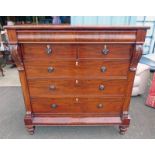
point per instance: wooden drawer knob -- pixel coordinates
(48, 50)
(103, 69)
(54, 106)
(101, 87)
(52, 87)
(50, 69)
(105, 50)
(100, 105)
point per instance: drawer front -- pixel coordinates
(50, 69)
(74, 36)
(77, 105)
(52, 87)
(50, 51)
(81, 69)
(104, 51)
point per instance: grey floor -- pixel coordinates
(12, 126)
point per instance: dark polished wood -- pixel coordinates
(16, 57)
(136, 57)
(76, 75)
(76, 69)
(77, 105)
(58, 51)
(115, 51)
(76, 87)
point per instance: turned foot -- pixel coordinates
(125, 123)
(30, 129)
(28, 123)
(122, 129)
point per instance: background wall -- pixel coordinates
(103, 20)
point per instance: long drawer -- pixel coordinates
(74, 36)
(77, 105)
(55, 87)
(73, 69)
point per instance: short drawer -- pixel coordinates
(73, 69)
(77, 105)
(50, 51)
(65, 87)
(105, 51)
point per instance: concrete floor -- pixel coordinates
(12, 113)
(11, 77)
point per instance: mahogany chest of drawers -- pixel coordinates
(76, 75)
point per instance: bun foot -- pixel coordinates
(122, 129)
(30, 129)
